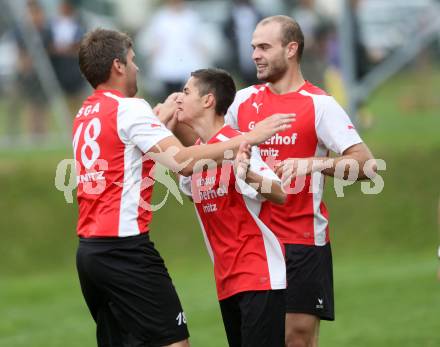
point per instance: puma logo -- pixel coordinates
(257, 106)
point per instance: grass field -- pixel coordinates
(384, 245)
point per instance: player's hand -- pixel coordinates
(167, 110)
(293, 167)
(242, 161)
(268, 127)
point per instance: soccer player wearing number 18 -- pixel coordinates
(123, 278)
(320, 125)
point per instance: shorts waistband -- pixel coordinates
(143, 236)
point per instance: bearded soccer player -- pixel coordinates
(249, 266)
(123, 278)
(320, 126)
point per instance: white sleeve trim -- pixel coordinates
(334, 128)
(258, 166)
(231, 117)
(138, 125)
(185, 185)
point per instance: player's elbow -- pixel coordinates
(279, 198)
(186, 171)
(282, 198)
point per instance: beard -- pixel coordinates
(273, 72)
(132, 87)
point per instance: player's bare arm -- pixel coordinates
(338, 167)
(171, 153)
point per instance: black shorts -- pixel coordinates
(255, 318)
(310, 280)
(129, 292)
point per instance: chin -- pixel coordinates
(262, 77)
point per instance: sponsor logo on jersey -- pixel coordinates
(282, 140)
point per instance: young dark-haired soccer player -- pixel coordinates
(249, 265)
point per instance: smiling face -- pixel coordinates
(190, 103)
(269, 55)
(275, 48)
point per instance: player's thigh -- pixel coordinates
(263, 318)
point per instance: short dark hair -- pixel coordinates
(97, 51)
(290, 32)
(219, 83)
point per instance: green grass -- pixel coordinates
(384, 245)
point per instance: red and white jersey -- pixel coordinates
(110, 135)
(245, 252)
(320, 125)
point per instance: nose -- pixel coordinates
(179, 98)
(256, 54)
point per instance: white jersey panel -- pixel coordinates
(137, 123)
(240, 97)
(334, 128)
(274, 253)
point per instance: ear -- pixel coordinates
(118, 66)
(209, 101)
(292, 48)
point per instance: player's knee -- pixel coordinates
(299, 336)
(297, 340)
(184, 343)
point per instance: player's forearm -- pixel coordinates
(194, 156)
(269, 189)
(347, 167)
(356, 163)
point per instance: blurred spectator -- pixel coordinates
(314, 27)
(34, 98)
(174, 45)
(361, 58)
(239, 27)
(66, 34)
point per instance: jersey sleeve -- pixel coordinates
(258, 166)
(185, 185)
(333, 126)
(231, 117)
(138, 125)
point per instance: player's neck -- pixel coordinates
(113, 86)
(291, 82)
(207, 127)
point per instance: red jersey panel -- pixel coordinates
(110, 135)
(320, 125)
(246, 254)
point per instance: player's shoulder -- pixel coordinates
(226, 133)
(310, 88)
(321, 99)
(129, 103)
(249, 92)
